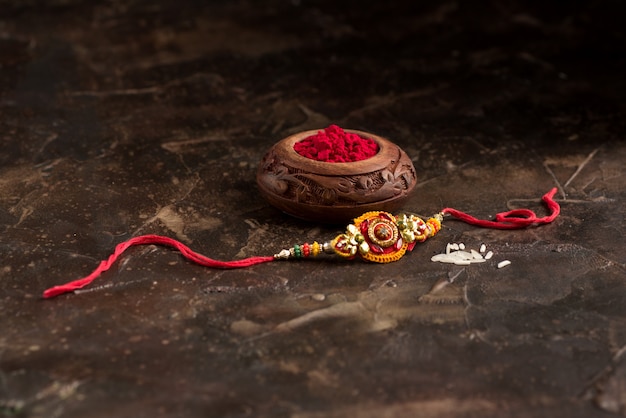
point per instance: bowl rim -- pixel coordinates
(387, 151)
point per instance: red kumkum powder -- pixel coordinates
(334, 145)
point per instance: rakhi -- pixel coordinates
(375, 236)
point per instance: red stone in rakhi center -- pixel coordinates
(334, 145)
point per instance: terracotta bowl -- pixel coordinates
(335, 192)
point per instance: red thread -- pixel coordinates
(158, 240)
(334, 145)
(513, 219)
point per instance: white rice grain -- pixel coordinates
(503, 263)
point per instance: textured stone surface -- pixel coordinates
(122, 118)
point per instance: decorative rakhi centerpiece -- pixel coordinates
(382, 237)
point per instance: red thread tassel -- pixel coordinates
(147, 240)
(513, 219)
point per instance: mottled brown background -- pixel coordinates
(125, 117)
